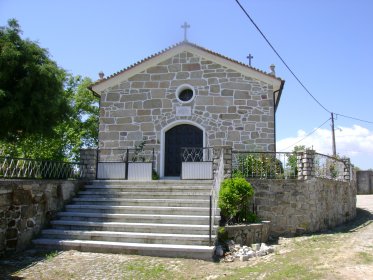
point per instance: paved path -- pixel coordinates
(365, 202)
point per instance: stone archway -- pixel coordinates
(182, 133)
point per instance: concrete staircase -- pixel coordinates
(167, 218)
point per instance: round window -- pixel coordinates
(185, 93)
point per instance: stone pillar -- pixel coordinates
(227, 158)
(305, 164)
(347, 169)
(89, 158)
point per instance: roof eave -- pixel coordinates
(277, 101)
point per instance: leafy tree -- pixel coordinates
(292, 160)
(79, 129)
(32, 100)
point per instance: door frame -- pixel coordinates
(163, 139)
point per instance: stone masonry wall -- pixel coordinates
(295, 206)
(26, 206)
(235, 110)
(364, 182)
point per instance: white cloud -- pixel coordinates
(355, 142)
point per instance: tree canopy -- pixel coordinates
(78, 130)
(32, 97)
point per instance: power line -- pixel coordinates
(279, 56)
(307, 135)
(353, 118)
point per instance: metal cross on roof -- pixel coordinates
(250, 57)
(185, 26)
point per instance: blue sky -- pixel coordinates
(328, 44)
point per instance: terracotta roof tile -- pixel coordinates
(174, 46)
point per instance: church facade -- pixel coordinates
(188, 96)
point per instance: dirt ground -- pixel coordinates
(345, 252)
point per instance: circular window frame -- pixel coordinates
(180, 89)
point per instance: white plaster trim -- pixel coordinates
(179, 49)
(163, 138)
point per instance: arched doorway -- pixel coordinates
(183, 135)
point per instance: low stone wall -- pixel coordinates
(249, 234)
(295, 206)
(26, 206)
(364, 181)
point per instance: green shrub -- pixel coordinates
(155, 175)
(234, 200)
(258, 166)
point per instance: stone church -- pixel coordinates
(188, 96)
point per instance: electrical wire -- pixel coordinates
(291, 71)
(307, 135)
(279, 56)
(353, 118)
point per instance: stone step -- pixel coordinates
(133, 218)
(132, 237)
(132, 227)
(145, 188)
(139, 209)
(149, 194)
(161, 250)
(154, 183)
(145, 202)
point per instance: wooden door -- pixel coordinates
(183, 135)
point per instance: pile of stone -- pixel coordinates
(244, 253)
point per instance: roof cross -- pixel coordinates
(250, 57)
(185, 26)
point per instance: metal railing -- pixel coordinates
(126, 155)
(265, 165)
(214, 194)
(196, 154)
(330, 168)
(23, 168)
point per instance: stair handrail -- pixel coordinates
(214, 194)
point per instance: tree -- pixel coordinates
(292, 162)
(81, 129)
(78, 130)
(32, 100)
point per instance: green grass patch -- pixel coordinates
(364, 258)
(139, 269)
(51, 255)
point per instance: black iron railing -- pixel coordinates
(214, 194)
(196, 154)
(23, 168)
(330, 167)
(265, 165)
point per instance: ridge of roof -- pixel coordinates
(172, 47)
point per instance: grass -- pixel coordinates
(302, 261)
(364, 258)
(51, 255)
(141, 269)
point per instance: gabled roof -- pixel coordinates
(196, 49)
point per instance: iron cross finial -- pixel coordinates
(250, 57)
(185, 26)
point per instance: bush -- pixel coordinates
(259, 166)
(234, 199)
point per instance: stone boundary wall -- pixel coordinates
(364, 181)
(296, 207)
(249, 234)
(26, 206)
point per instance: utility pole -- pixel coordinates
(333, 137)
